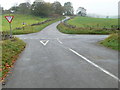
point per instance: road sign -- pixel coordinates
(9, 18)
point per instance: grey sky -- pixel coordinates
(101, 7)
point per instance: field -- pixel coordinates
(19, 19)
(33, 29)
(17, 27)
(93, 22)
(10, 51)
(88, 25)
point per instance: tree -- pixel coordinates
(57, 8)
(24, 8)
(41, 9)
(15, 9)
(68, 8)
(81, 11)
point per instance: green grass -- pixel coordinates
(19, 19)
(34, 29)
(88, 25)
(64, 29)
(113, 41)
(28, 19)
(92, 22)
(10, 50)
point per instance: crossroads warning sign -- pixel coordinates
(9, 18)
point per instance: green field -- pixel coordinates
(113, 41)
(19, 19)
(93, 22)
(28, 19)
(88, 25)
(34, 29)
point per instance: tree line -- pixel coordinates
(42, 8)
(45, 9)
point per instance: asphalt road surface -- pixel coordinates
(55, 60)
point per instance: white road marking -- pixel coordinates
(59, 41)
(44, 42)
(105, 71)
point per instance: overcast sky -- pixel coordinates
(101, 7)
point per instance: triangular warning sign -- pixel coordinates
(9, 18)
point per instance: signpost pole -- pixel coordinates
(10, 30)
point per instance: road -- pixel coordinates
(56, 60)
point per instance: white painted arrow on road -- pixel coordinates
(44, 42)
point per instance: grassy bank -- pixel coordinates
(67, 30)
(113, 41)
(10, 51)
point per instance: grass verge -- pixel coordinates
(10, 51)
(113, 41)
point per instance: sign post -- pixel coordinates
(9, 19)
(10, 30)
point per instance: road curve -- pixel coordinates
(55, 60)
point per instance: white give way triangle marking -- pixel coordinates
(44, 42)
